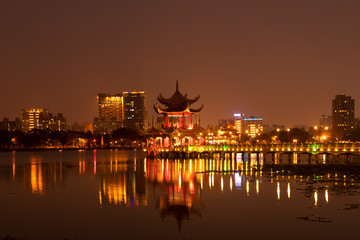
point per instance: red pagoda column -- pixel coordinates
(167, 121)
(183, 121)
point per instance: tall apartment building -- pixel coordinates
(253, 126)
(110, 109)
(238, 122)
(41, 118)
(31, 118)
(134, 110)
(343, 112)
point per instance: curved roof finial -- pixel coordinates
(177, 85)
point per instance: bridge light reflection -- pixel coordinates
(247, 188)
(288, 190)
(222, 183)
(326, 196)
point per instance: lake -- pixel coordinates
(110, 194)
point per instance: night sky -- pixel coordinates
(282, 60)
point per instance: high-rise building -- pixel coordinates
(134, 110)
(111, 116)
(253, 126)
(41, 118)
(238, 122)
(343, 111)
(31, 118)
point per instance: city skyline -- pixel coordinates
(261, 59)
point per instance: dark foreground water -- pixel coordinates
(120, 195)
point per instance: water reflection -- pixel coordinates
(177, 186)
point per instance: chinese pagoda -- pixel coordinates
(180, 127)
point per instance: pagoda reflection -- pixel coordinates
(177, 186)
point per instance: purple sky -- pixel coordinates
(282, 60)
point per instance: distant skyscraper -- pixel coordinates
(238, 122)
(342, 116)
(40, 118)
(134, 110)
(31, 118)
(111, 116)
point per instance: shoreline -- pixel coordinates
(66, 149)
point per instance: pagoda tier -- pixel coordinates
(177, 105)
(154, 132)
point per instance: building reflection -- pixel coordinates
(39, 176)
(177, 186)
(121, 182)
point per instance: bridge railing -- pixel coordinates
(284, 147)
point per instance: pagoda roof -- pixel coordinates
(183, 131)
(178, 102)
(177, 109)
(151, 132)
(227, 127)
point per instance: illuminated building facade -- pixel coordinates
(134, 110)
(342, 116)
(31, 118)
(253, 126)
(110, 108)
(40, 118)
(225, 135)
(238, 122)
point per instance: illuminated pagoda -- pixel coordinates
(181, 127)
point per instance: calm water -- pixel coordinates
(120, 195)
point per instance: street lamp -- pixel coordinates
(288, 130)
